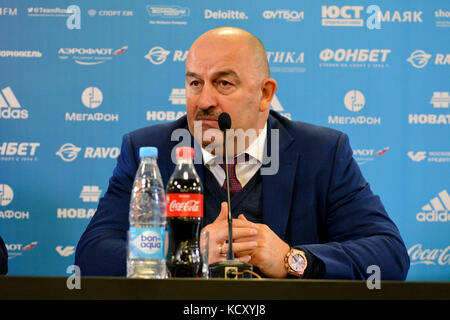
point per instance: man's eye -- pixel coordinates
(224, 83)
(195, 83)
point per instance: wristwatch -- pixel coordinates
(295, 262)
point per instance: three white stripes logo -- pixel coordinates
(10, 107)
(437, 210)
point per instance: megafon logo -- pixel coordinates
(92, 97)
(437, 210)
(90, 56)
(354, 100)
(6, 195)
(17, 249)
(10, 107)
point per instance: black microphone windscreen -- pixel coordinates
(224, 121)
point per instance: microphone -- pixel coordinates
(230, 268)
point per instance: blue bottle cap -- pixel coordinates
(148, 152)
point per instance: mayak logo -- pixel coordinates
(362, 156)
(65, 252)
(287, 15)
(418, 255)
(10, 107)
(354, 100)
(437, 210)
(419, 59)
(6, 195)
(158, 55)
(167, 11)
(90, 193)
(90, 56)
(69, 152)
(17, 249)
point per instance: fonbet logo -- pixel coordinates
(287, 15)
(376, 58)
(354, 101)
(69, 152)
(440, 101)
(419, 255)
(90, 56)
(419, 59)
(18, 249)
(437, 210)
(362, 156)
(10, 107)
(65, 252)
(225, 15)
(6, 195)
(92, 97)
(15, 151)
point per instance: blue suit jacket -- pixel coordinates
(318, 199)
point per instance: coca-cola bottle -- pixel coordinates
(184, 196)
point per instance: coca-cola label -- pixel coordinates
(185, 205)
(418, 255)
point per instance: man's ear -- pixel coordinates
(268, 88)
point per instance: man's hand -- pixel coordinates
(218, 234)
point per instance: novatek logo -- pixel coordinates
(10, 107)
(225, 15)
(65, 252)
(90, 193)
(437, 210)
(354, 100)
(419, 59)
(6, 195)
(69, 152)
(178, 96)
(287, 15)
(418, 255)
(440, 99)
(75, 213)
(345, 16)
(354, 58)
(362, 156)
(159, 55)
(17, 249)
(90, 56)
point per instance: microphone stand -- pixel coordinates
(230, 268)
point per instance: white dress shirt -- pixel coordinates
(244, 170)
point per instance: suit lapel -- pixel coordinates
(277, 189)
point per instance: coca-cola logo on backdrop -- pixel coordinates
(418, 255)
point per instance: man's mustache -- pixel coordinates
(206, 114)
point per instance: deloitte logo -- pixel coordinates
(419, 59)
(354, 100)
(6, 195)
(92, 97)
(157, 55)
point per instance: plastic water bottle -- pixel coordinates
(147, 233)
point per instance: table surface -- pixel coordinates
(104, 288)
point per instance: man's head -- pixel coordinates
(227, 71)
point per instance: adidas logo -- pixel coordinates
(437, 210)
(10, 107)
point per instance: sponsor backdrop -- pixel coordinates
(75, 77)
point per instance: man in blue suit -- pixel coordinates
(313, 217)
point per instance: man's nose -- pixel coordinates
(208, 97)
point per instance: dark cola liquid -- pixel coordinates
(183, 257)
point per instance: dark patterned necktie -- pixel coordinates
(235, 185)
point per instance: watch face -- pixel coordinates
(297, 262)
